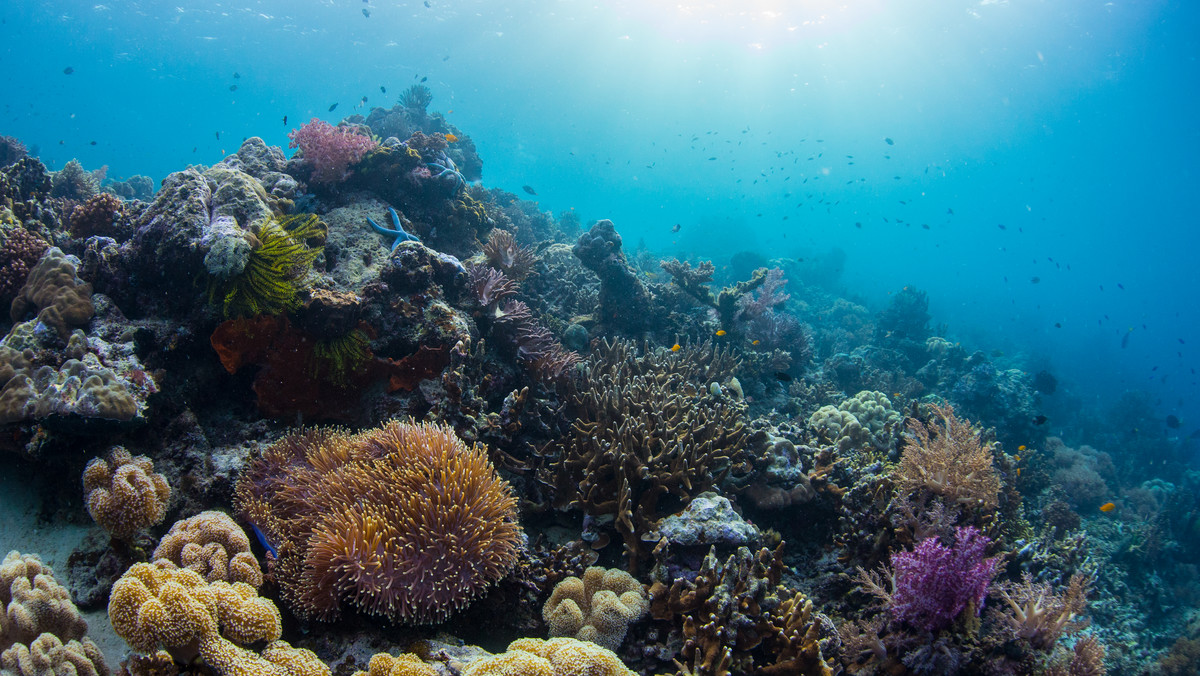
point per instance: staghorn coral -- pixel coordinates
(403, 521)
(47, 655)
(728, 302)
(34, 603)
(648, 427)
(737, 618)
(503, 252)
(555, 657)
(124, 494)
(61, 300)
(947, 458)
(599, 608)
(211, 544)
(275, 271)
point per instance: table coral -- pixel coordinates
(124, 494)
(555, 657)
(599, 608)
(403, 521)
(214, 546)
(34, 603)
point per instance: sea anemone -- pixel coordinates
(503, 252)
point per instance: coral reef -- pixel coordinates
(124, 494)
(329, 151)
(599, 608)
(403, 521)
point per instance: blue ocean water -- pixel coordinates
(1031, 165)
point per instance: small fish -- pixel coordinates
(1001, 226)
(1107, 507)
(451, 138)
(366, 12)
(263, 540)
(721, 333)
(93, 143)
(1124, 341)
(711, 159)
(218, 135)
(676, 227)
(427, 4)
(889, 141)
(1035, 280)
(529, 190)
(1120, 286)
(445, 58)
(237, 75)
(676, 347)
(949, 212)
(424, 78)
(285, 120)
(783, 377)
(1058, 325)
(68, 70)
(362, 102)
(382, 89)
(332, 107)
(1021, 447)
(1173, 422)
(233, 88)
(1040, 420)
(755, 342)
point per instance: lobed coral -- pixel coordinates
(47, 655)
(214, 546)
(80, 391)
(124, 494)
(599, 608)
(34, 603)
(55, 293)
(403, 521)
(405, 664)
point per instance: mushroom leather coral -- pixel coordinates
(124, 494)
(599, 608)
(49, 656)
(34, 603)
(405, 664)
(555, 657)
(403, 521)
(214, 546)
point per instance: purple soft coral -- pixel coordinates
(935, 583)
(330, 150)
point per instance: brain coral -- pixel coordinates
(403, 521)
(598, 608)
(124, 494)
(211, 544)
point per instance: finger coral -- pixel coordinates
(555, 657)
(403, 521)
(34, 603)
(124, 494)
(599, 608)
(211, 544)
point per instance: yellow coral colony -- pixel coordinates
(599, 608)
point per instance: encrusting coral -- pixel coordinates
(599, 608)
(555, 657)
(34, 603)
(214, 546)
(153, 607)
(124, 494)
(403, 521)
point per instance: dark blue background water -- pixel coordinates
(1072, 124)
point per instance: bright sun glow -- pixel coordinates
(756, 24)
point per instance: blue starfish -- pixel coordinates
(446, 170)
(398, 234)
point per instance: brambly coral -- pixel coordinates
(404, 521)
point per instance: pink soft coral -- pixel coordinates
(330, 150)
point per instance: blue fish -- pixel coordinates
(262, 539)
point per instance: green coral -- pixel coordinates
(277, 269)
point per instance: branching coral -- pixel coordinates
(276, 270)
(1035, 613)
(211, 544)
(416, 98)
(403, 521)
(124, 494)
(330, 150)
(599, 608)
(946, 457)
(695, 283)
(647, 427)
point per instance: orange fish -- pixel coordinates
(720, 333)
(754, 342)
(451, 138)
(1107, 507)
(1021, 447)
(676, 347)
